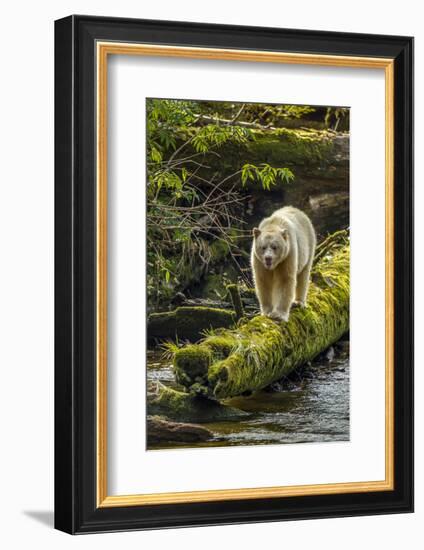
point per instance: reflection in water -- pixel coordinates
(314, 408)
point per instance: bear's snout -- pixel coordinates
(268, 261)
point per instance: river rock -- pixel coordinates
(160, 430)
(329, 354)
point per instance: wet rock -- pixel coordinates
(179, 299)
(286, 384)
(161, 430)
(343, 346)
(329, 200)
(207, 302)
(329, 354)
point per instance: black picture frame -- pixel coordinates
(76, 510)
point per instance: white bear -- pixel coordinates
(282, 254)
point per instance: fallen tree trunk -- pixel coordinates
(187, 323)
(261, 351)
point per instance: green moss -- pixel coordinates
(262, 351)
(292, 147)
(193, 361)
(185, 407)
(221, 345)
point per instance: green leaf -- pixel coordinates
(156, 155)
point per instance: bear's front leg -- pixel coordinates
(284, 293)
(263, 286)
(264, 294)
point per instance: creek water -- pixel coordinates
(311, 406)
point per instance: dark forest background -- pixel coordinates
(215, 169)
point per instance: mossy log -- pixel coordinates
(300, 148)
(261, 351)
(187, 323)
(186, 407)
(293, 147)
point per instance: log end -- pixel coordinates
(162, 325)
(191, 362)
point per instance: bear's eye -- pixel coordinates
(263, 248)
(274, 247)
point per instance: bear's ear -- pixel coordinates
(256, 232)
(284, 233)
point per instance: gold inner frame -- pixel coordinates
(104, 49)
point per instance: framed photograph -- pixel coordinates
(234, 274)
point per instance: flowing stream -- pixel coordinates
(313, 406)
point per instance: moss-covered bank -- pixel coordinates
(185, 407)
(261, 351)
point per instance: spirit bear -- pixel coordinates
(282, 255)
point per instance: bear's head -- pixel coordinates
(271, 246)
